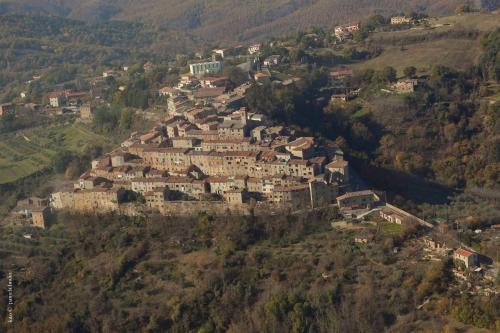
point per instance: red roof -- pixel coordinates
(54, 94)
(461, 251)
(209, 92)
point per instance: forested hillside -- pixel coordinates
(37, 45)
(230, 274)
(223, 19)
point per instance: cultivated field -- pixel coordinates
(32, 150)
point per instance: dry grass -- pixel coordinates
(448, 51)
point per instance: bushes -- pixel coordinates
(477, 312)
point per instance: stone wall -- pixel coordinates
(189, 208)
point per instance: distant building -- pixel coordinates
(345, 31)
(255, 48)
(177, 105)
(338, 170)
(360, 199)
(220, 52)
(341, 73)
(203, 68)
(340, 98)
(262, 77)
(272, 60)
(74, 98)
(467, 257)
(392, 216)
(148, 66)
(213, 81)
(302, 147)
(39, 217)
(166, 91)
(108, 73)
(86, 113)
(434, 244)
(56, 99)
(405, 86)
(6, 108)
(208, 94)
(401, 20)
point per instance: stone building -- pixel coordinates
(338, 170)
(405, 86)
(360, 199)
(302, 147)
(86, 113)
(6, 108)
(392, 216)
(468, 257)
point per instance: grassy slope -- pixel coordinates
(453, 52)
(20, 158)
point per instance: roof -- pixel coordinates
(166, 90)
(318, 160)
(54, 94)
(149, 136)
(291, 188)
(462, 251)
(75, 94)
(348, 25)
(217, 179)
(341, 72)
(262, 75)
(209, 92)
(301, 143)
(237, 153)
(337, 164)
(167, 150)
(299, 162)
(232, 124)
(213, 78)
(227, 141)
(355, 194)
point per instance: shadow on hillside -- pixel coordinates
(411, 187)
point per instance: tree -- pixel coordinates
(386, 75)
(62, 160)
(410, 72)
(463, 8)
(126, 119)
(235, 75)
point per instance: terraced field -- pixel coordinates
(30, 151)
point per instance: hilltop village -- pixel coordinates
(206, 151)
(209, 153)
(229, 177)
(208, 156)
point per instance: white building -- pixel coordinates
(56, 99)
(401, 20)
(252, 49)
(202, 68)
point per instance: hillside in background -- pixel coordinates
(224, 20)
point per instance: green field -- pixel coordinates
(32, 150)
(391, 229)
